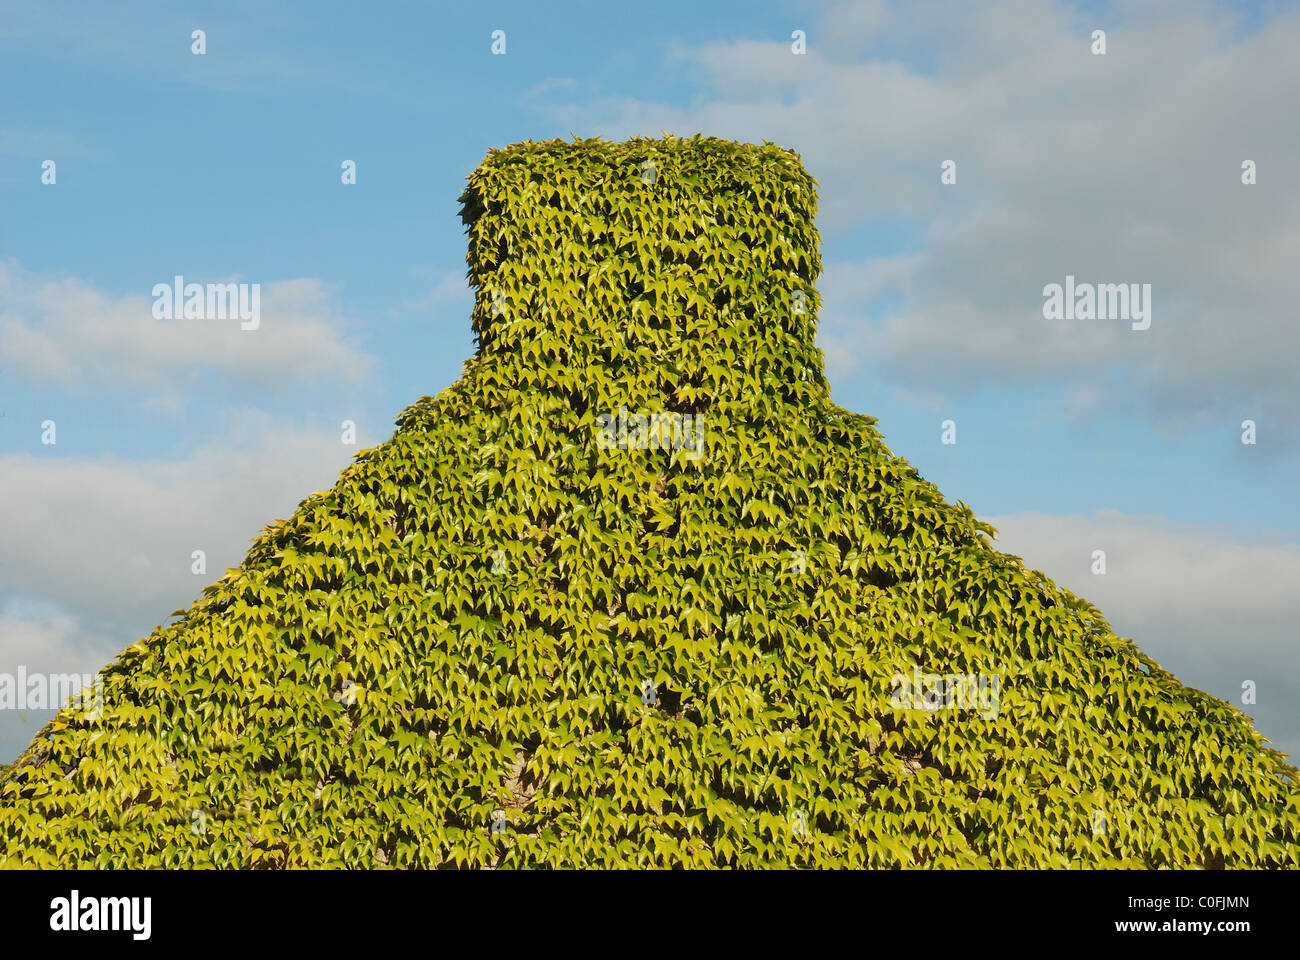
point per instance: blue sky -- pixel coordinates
(1116, 168)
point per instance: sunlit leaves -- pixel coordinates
(464, 623)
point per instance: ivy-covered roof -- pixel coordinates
(635, 592)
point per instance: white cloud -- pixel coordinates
(245, 53)
(96, 552)
(55, 645)
(1215, 607)
(451, 286)
(44, 144)
(1116, 168)
(549, 85)
(110, 540)
(69, 333)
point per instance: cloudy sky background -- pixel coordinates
(1072, 436)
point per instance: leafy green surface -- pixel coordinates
(467, 621)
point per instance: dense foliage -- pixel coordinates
(499, 641)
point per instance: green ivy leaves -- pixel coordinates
(459, 633)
